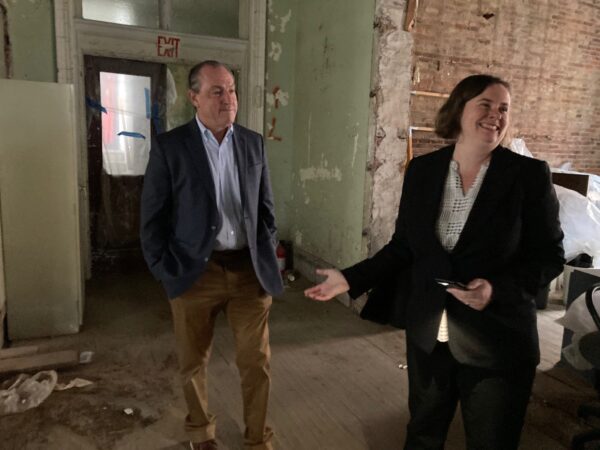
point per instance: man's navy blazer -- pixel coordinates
(512, 238)
(179, 217)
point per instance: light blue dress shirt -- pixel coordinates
(224, 169)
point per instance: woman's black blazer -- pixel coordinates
(512, 238)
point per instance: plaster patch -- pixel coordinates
(308, 135)
(283, 97)
(276, 50)
(270, 99)
(284, 21)
(320, 173)
(355, 148)
(277, 97)
(298, 238)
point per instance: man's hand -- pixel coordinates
(335, 283)
(478, 295)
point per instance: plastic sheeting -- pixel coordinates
(593, 185)
(580, 221)
(126, 125)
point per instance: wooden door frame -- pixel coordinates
(76, 37)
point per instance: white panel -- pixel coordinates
(38, 195)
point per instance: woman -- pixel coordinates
(475, 213)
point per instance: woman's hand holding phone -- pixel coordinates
(476, 294)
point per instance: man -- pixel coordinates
(208, 234)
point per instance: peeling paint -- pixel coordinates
(284, 21)
(320, 173)
(298, 237)
(308, 134)
(271, 135)
(276, 50)
(355, 148)
(277, 97)
(274, 18)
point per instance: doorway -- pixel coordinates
(126, 108)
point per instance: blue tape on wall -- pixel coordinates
(91, 103)
(132, 134)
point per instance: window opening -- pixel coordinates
(126, 134)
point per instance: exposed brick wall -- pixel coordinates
(548, 50)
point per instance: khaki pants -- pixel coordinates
(229, 284)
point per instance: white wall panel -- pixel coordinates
(39, 216)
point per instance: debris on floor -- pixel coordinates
(74, 383)
(25, 392)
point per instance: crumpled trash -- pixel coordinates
(25, 392)
(86, 357)
(74, 383)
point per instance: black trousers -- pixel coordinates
(493, 402)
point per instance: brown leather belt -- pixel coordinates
(225, 257)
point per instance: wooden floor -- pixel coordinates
(339, 383)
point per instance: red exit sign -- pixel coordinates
(167, 46)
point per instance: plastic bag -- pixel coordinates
(580, 221)
(577, 318)
(26, 392)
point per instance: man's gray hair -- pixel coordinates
(194, 79)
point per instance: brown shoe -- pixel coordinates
(206, 445)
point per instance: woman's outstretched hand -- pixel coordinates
(334, 284)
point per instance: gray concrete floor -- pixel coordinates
(337, 380)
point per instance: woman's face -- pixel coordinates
(485, 118)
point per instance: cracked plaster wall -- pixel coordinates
(390, 119)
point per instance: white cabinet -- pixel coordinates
(42, 284)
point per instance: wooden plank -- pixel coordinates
(15, 352)
(53, 360)
(411, 15)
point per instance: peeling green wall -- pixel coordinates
(31, 30)
(319, 63)
(279, 109)
(331, 114)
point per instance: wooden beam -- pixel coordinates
(34, 363)
(15, 352)
(411, 15)
(430, 94)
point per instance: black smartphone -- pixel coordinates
(451, 284)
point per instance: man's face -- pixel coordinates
(216, 101)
